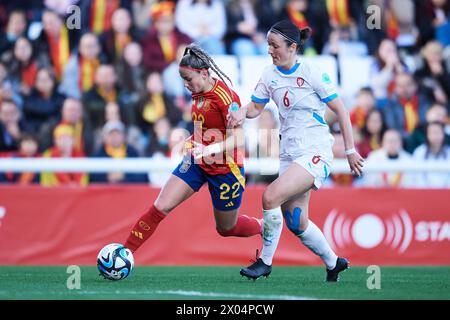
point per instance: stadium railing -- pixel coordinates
(263, 166)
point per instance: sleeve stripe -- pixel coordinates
(225, 95)
(222, 98)
(259, 100)
(328, 99)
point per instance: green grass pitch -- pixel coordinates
(210, 283)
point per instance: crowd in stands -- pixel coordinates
(102, 80)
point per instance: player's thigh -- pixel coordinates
(174, 192)
(294, 181)
(296, 211)
(225, 220)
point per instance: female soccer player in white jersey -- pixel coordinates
(301, 92)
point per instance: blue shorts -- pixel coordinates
(226, 189)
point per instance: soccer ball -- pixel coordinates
(115, 262)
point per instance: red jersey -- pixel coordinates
(209, 114)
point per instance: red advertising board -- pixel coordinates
(65, 225)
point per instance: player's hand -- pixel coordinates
(356, 163)
(236, 118)
(197, 150)
(202, 151)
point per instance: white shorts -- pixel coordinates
(317, 165)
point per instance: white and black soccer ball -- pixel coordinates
(115, 262)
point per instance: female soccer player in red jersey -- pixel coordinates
(213, 156)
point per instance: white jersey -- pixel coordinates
(300, 94)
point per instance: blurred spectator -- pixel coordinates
(23, 66)
(56, 42)
(64, 147)
(28, 148)
(11, 126)
(436, 113)
(340, 44)
(387, 65)
(44, 103)
(432, 19)
(6, 87)
(131, 79)
(60, 6)
(372, 133)
(134, 136)
(177, 138)
(157, 105)
(401, 26)
(434, 148)
(72, 115)
(391, 149)
(365, 102)
(267, 145)
(406, 109)
(302, 14)
(79, 73)
(114, 146)
(104, 91)
(248, 22)
(159, 139)
(434, 76)
(16, 28)
(96, 15)
(161, 42)
(204, 21)
(140, 13)
(121, 34)
(345, 14)
(174, 85)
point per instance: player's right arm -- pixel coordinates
(250, 110)
(254, 109)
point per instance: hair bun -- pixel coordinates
(305, 34)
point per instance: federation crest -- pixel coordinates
(200, 103)
(300, 81)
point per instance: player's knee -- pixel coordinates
(270, 200)
(293, 221)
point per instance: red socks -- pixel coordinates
(245, 227)
(144, 228)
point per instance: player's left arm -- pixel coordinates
(234, 138)
(354, 159)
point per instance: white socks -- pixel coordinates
(273, 224)
(314, 239)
